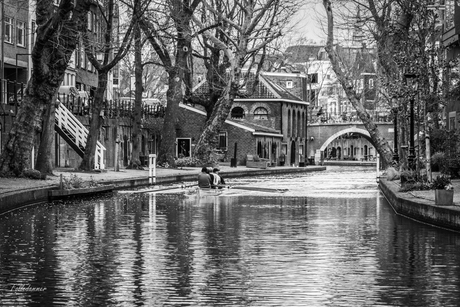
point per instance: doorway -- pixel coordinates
(183, 147)
(293, 152)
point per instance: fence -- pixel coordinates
(111, 108)
(12, 93)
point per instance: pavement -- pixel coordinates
(428, 195)
(14, 185)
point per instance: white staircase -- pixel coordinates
(75, 134)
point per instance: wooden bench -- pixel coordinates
(256, 162)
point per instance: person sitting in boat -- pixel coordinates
(204, 179)
(217, 180)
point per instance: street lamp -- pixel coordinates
(395, 141)
(411, 80)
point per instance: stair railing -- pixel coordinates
(66, 121)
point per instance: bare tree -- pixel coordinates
(404, 34)
(56, 39)
(168, 29)
(137, 116)
(236, 35)
(110, 59)
(379, 142)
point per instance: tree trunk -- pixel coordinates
(95, 123)
(56, 39)
(137, 123)
(207, 140)
(44, 163)
(16, 155)
(167, 150)
(381, 145)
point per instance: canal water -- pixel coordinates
(330, 240)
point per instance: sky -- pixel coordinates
(308, 23)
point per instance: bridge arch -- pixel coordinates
(363, 132)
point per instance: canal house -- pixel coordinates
(269, 123)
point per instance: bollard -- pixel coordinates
(152, 168)
(32, 161)
(378, 165)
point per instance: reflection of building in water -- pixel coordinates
(350, 146)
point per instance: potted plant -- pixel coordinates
(444, 191)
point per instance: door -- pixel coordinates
(183, 147)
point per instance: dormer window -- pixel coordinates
(289, 84)
(260, 113)
(237, 112)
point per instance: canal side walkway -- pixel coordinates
(420, 205)
(18, 192)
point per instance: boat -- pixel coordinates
(191, 190)
(209, 192)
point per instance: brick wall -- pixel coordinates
(191, 126)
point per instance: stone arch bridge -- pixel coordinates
(320, 135)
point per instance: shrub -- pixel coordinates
(414, 186)
(72, 182)
(442, 182)
(438, 159)
(187, 161)
(34, 174)
(392, 174)
(408, 176)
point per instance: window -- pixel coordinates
(289, 84)
(33, 25)
(237, 112)
(8, 30)
(260, 113)
(371, 83)
(452, 117)
(82, 57)
(222, 141)
(312, 96)
(77, 56)
(20, 33)
(313, 78)
(90, 21)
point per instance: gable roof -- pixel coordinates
(251, 127)
(305, 53)
(266, 90)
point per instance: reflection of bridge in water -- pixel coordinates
(344, 140)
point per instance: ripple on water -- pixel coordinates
(331, 240)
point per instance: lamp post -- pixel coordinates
(411, 80)
(395, 141)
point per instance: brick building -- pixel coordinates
(270, 123)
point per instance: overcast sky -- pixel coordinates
(309, 20)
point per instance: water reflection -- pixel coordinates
(259, 250)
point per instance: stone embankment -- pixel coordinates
(19, 192)
(421, 206)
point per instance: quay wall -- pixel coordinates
(422, 210)
(21, 198)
